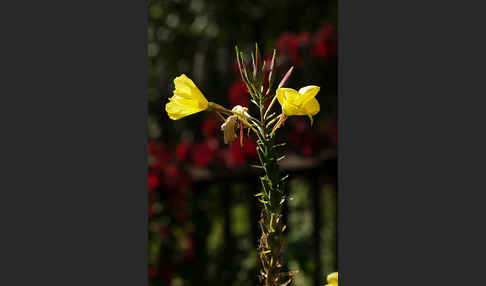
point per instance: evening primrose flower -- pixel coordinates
(187, 99)
(302, 102)
(332, 279)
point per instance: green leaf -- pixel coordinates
(254, 66)
(264, 178)
(257, 166)
(271, 122)
(270, 116)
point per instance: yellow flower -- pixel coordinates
(187, 99)
(302, 102)
(332, 279)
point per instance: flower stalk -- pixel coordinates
(188, 100)
(272, 197)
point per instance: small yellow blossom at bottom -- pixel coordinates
(302, 102)
(187, 99)
(332, 279)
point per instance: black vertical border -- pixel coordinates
(73, 187)
(411, 142)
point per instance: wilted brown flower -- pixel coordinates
(229, 129)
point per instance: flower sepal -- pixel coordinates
(218, 108)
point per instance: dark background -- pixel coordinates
(202, 212)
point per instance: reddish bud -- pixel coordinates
(285, 78)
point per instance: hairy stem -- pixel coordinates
(272, 197)
(271, 223)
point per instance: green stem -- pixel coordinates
(272, 227)
(272, 197)
(271, 105)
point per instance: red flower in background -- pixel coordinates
(325, 45)
(249, 149)
(311, 144)
(160, 153)
(308, 141)
(238, 94)
(153, 180)
(211, 126)
(176, 178)
(204, 153)
(303, 38)
(237, 156)
(289, 44)
(182, 150)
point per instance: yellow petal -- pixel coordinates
(288, 99)
(282, 94)
(312, 107)
(310, 90)
(308, 93)
(300, 102)
(187, 99)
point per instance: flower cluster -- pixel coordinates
(311, 49)
(322, 45)
(188, 100)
